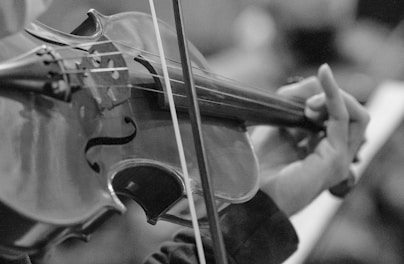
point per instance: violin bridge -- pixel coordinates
(105, 74)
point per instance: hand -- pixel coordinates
(295, 166)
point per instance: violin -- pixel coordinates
(85, 121)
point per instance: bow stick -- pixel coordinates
(195, 118)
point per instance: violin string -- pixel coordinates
(110, 69)
(96, 70)
(295, 103)
(81, 45)
(93, 55)
(234, 83)
(233, 96)
(181, 152)
(228, 80)
(138, 87)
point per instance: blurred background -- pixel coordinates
(264, 43)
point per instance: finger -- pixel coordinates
(357, 113)
(316, 109)
(359, 119)
(316, 105)
(334, 101)
(338, 121)
(301, 90)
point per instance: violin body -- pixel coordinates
(65, 160)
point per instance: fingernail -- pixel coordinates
(311, 114)
(316, 101)
(326, 76)
(325, 66)
(325, 69)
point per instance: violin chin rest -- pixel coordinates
(154, 187)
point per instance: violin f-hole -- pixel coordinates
(155, 187)
(109, 141)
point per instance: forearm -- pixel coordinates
(283, 175)
(292, 192)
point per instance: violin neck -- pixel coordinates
(229, 100)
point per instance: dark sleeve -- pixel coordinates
(254, 232)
